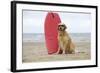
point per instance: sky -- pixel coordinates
(33, 21)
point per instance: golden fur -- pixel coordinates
(65, 43)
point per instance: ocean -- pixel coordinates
(39, 37)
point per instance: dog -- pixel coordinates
(65, 42)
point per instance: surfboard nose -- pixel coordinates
(51, 32)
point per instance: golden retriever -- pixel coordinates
(65, 43)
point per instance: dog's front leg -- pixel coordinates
(67, 48)
(66, 51)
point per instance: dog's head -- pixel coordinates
(62, 27)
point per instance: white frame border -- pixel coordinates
(21, 65)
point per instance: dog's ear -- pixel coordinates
(58, 27)
(65, 26)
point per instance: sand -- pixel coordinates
(37, 52)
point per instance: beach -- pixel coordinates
(34, 50)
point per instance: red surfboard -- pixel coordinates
(51, 23)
